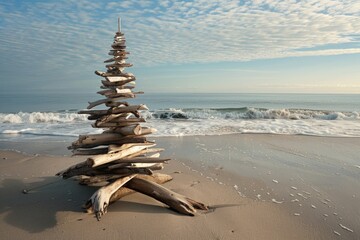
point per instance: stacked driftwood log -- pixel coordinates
(120, 159)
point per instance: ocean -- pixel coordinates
(54, 116)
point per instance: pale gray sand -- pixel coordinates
(262, 187)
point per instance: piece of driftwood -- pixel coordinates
(93, 151)
(104, 92)
(117, 84)
(130, 109)
(119, 65)
(116, 148)
(106, 74)
(118, 52)
(123, 140)
(116, 104)
(152, 166)
(124, 191)
(139, 160)
(174, 200)
(111, 117)
(118, 123)
(126, 171)
(121, 79)
(152, 153)
(145, 167)
(84, 169)
(122, 90)
(129, 130)
(98, 179)
(115, 125)
(114, 97)
(117, 87)
(115, 110)
(78, 169)
(105, 158)
(95, 112)
(100, 199)
(119, 43)
(114, 59)
(121, 49)
(105, 101)
(122, 95)
(133, 130)
(92, 139)
(110, 92)
(158, 178)
(155, 155)
(147, 130)
(146, 151)
(126, 119)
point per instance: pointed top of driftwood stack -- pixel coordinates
(120, 120)
(119, 24)
(121, 156)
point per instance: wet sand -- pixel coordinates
(258, 187)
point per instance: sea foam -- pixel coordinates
(250, 113)
(41, 117)
(192, 121)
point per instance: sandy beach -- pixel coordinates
(256, 104)
(257, 187)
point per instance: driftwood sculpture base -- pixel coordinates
(145, 184)
(174, 200)
(100, 199)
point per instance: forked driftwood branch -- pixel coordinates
(100, 199)
(124, 191)
(175, 201)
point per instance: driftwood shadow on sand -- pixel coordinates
(137, 207)
(36, 211)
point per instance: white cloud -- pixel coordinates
(73, 34)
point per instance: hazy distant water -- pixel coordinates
(12, 103)
(29, 116)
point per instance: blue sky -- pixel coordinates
(183, 46)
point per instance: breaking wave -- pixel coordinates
(250, 113)
(42, 117)
(191, 121)
(190, 113)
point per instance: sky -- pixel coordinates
(290, 46)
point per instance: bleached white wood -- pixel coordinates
(106, 158)
(100, 199)
(120, 78)
(116, 148)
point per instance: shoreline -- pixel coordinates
(59, 144)
(228, 172)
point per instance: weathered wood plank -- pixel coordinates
(98, 160)
(175, 201)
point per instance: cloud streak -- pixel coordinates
(75, 34)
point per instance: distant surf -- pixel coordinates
(191, 122)
(251, 113)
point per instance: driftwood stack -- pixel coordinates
(120, 159)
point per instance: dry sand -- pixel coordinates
(249, 181)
